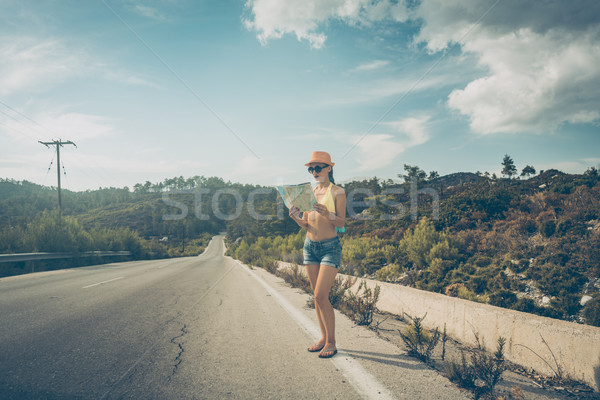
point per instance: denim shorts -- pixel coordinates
(327, 252)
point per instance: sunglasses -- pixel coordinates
(316, 169)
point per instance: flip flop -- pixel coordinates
(314, 349)
(332, 351)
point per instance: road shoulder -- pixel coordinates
(401, 375)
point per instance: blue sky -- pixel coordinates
(246, 90)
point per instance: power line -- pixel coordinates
(35, 126)
(17, 130)
(179, 78)
(30, 123)
(21, 114)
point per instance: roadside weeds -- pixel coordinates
(492, 376)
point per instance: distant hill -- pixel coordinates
(457, 179)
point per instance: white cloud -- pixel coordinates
(36, 65)
(377, 151)
(380, 150)
(33, 65)
(541, 60)
(149, 12)
(112, 73)
(372, 90)
(274, 18)
(147, 165)
(592, 161)
(371, 65)
(458, 21)
(536, 82)
(77, 126)
(69, 126)
(256, 169)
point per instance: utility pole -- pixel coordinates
(58, 143)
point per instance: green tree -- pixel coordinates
(413, 173)
(433, 175)
(419, 241)
(52, 233)
(528, 170)
(591, 177)
(508, 165)
(592, 171)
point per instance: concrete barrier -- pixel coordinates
(576, 347)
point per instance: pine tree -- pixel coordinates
(509, 166)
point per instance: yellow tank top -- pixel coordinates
(328, 202)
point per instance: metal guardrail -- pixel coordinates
(50, 256)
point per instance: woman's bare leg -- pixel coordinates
(325, 279)
(313, 273)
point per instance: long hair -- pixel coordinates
(331, 176)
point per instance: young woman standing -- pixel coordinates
(322, 247)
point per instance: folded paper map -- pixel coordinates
(301, 196)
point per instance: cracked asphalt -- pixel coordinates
(201, 327)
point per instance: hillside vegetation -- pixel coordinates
(531, 245)
(147, 221)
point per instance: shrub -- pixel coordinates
(271, 265)
(389, 273)
(489, 369)
(548, 228)
(591, 312)
(444, 340)
(361, 307)
(524, 304)
(418, 242)
(338, 290)
(294, 257)
(453, 289)
(503, 298)
(294, 277)
(462, 373)
(419, 341)
(477, 283)
(556, 279)
(336, 294)
(482, 372)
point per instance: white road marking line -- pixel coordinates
(362, 381)
(100, 283)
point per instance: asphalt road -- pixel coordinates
(201, 327)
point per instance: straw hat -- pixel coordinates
(320, 157)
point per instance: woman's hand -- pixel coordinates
(321, 209)
(294, 212)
